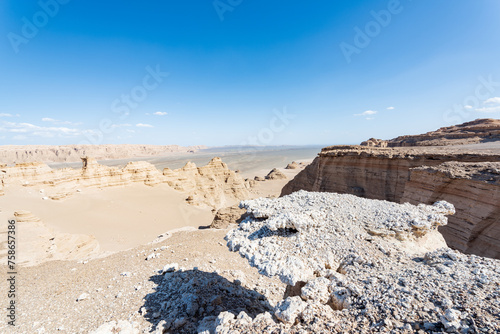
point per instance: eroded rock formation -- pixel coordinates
(276, 174)
(478, 131)
(474, 189)
(214, 184)
(383, 173)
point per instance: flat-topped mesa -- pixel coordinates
(353, 264)
(12, 154)
(214, 184)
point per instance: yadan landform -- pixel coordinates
(390, 236)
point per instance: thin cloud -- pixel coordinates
(59, 122)
(390, 108)
(491, 105)
(493, 100)
(367, 113)
(6, 115)
(160, 113)
(141, 125)
(28, 129)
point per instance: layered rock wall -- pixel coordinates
(383, 173)
(474, 189)
(214, 184)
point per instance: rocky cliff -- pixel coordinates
(383, 173)
(474, 189)
(214, 184)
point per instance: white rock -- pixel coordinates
(83, 296)
(287, 310)
(171, 267)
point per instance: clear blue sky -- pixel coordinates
(80, 71)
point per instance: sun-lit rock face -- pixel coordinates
(356, 265)
(474, 189)
(478, 131)
(403, 174)
(214, 184)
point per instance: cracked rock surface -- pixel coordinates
(362, 265)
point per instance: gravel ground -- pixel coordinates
(122, 286)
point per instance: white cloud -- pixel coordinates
(491, 105)
(6, 115)
(489, 109)
(493, 100)
(390, 108)
(160, 113)
(59, 122)
(141, 125)
(468, 107)
(114, 126)
(28, 129)
(367, 113)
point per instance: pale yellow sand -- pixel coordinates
(120, 218)
(97, 221)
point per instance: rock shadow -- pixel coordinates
(184, 300)
(265, 232)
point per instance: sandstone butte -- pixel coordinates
(466, 176)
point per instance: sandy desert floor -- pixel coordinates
(129, 223)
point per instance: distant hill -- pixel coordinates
(478, 131)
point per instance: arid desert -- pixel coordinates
(319, 244)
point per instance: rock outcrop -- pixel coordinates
(383, 173)
(474, 189)
(344, 278)
(214, 184)
(374, 142)
(276, 174)
(478, 131)
(14, 154)
(292, 165)
(230, 215)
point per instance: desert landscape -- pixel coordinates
(234, 167)
(317, 245)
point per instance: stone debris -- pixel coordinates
(192, 301)
(324, 247)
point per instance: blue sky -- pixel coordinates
(230, 72)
